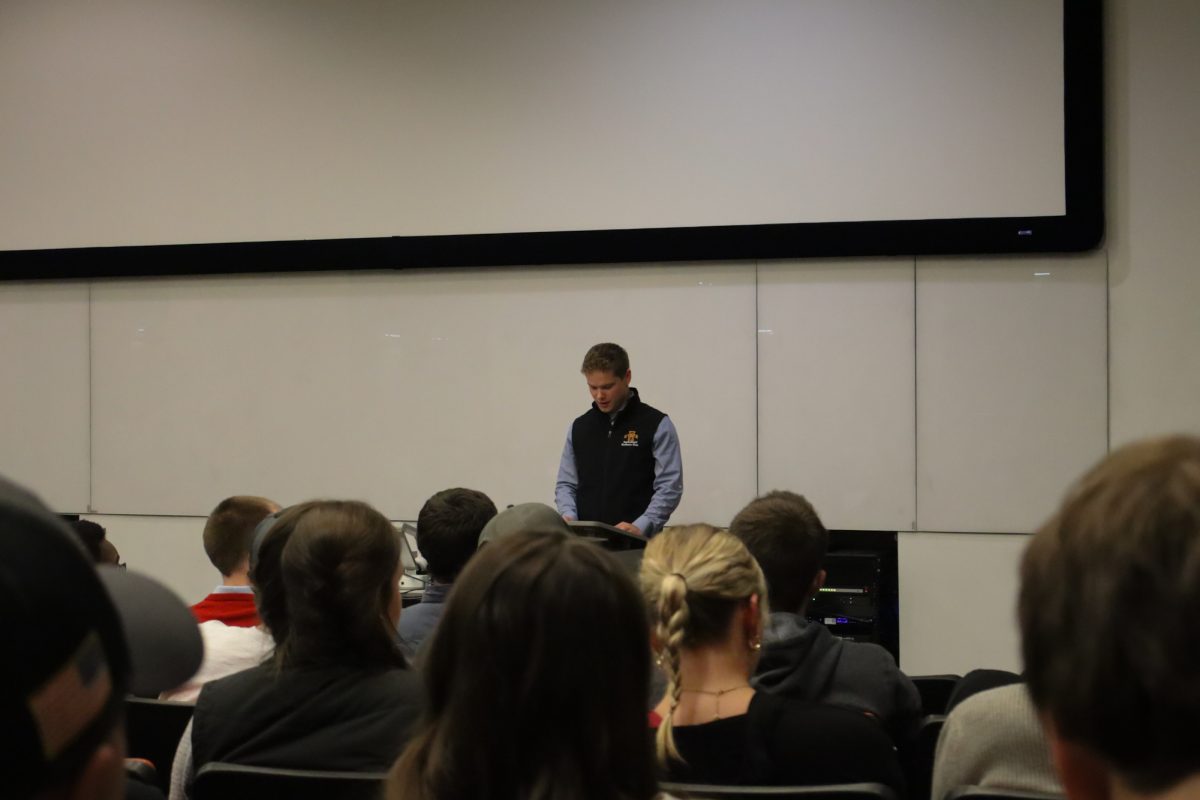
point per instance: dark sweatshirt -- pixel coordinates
(804, 660)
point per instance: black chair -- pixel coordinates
(988, 793)
(916, 756)
(154, 728)
(217, 781)
(843, 791)
(935, 691)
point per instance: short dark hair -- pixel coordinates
(230, 528)
(784, 534)
(538, 674)
(323, 579)
(606, 357)
(1110, 595)
(91, 534)
(448, 529)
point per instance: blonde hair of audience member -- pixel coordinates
(707, 601)
(537, 679)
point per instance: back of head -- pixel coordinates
(693, 579)
(1110, 595)
(325, 579)
(538, 675)
(521, 518)
(448, 529)
(784, 534)
(606, 357)
(92, 535)
(230, 529)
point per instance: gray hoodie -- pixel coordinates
(804, 660)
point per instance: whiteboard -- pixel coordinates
(390, 387)
(1012, 377)
(44, 401)
(835, 389)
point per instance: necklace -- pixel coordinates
(717, 694)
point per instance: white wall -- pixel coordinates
(957, 585)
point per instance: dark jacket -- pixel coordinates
(804, 660)
(328, 719)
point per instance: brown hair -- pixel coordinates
(448, 529)
(784, 534)
(538, 674)
(693, 578)
(323, 580)
(1110, 595)
(230, 527)
(606, 357)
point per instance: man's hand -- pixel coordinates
(568, 519)
(628, 528)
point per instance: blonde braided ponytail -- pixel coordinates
(714, 568)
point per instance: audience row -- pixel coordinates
(538, 665)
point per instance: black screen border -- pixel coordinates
(1079, 229)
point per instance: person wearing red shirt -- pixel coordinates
(227, 537)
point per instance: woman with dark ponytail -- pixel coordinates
(336, 694)
(708, 601)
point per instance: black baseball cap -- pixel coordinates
(78, 639)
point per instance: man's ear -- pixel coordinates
(818, 581)
(1084, 776)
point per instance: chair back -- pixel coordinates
(917, 754)
(988, 793)
(154, 728)
(218, 781)
(843, 791)
(935, 691)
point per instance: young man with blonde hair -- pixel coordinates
(621, 463)
(1109, 603)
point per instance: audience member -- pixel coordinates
(95, 539)
(79, 639)
(537, 678)
(993, 739)
(523, 517)
(708, 604)
(448, 529)
(337, 693)
(802, 659)
(1110, 595)
(227, 535)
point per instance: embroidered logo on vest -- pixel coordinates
(630, 440)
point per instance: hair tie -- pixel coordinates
(678, 575)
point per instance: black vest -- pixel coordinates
(614, 460)
(340, 719)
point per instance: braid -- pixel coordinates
(671, 630)
(693, 578)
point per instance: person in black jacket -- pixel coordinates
(801, 658)
(621, 463)
(337, 693)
